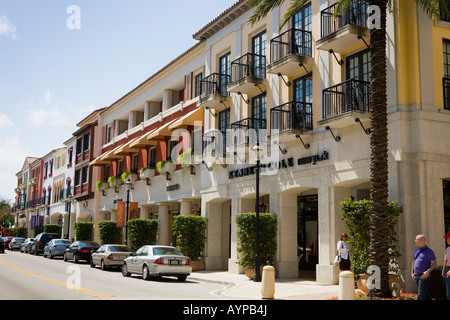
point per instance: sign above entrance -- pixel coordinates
(284, 163)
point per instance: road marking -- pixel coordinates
(83, 290)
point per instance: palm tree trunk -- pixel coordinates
(379, 232)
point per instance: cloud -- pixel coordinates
(7, 28)
(5, 121)
(48, 116)
(48, 96)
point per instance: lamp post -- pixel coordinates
(257, 240)
(129, 185)
(69, 203)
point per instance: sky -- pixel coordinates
(60, 60)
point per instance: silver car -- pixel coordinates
(56, 247)
(110, 255)
(15, 243)
(156, 261)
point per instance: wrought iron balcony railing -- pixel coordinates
(249, 65)
(350, 95)
(215, 83)
(292, 41)
(246, 130)
(357, 15)
(446, 87)
(293, 115)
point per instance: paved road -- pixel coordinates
(29, 277)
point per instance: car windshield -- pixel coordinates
(164, 251)
(62, 241)
(20, 239)
(89, 244)
(119, 249)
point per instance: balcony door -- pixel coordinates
(358, 66)
(259, 54)
(224, 72)
(301, 22)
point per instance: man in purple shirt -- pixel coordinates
(424, 261)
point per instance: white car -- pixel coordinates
(157, 261)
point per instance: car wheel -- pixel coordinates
(103, 266)
(65, 257)
(92, 264)
(125, 272)
(182, 278)
(50, 256)
(75, 258)
(145, 273)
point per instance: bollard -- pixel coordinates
(346, 285)
(268, 282)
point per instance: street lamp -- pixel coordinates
(69, 203)
(129, 186)
(257, 240)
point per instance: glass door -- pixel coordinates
(307, 232)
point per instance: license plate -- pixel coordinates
(174, 262)
(121, 257)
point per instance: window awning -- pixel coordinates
(161, 133)
(142, 142)
(127, 148)
(105, 158)
(188, 119)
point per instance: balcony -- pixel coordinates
(289, 51)
(291, 119)
(344, 102)
(247, 72)
(342, 32)
(245, 132)
(446, 88)
(214, 91)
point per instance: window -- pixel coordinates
(108, 133)
(303, 89)
(119, 167)
(223, 125)
(172, 145)
(302, 20)
(77, 177)
(106, 173)
(225, 72)
(446, 80)
(259, 51)
(358, 66)
(79, 145)
(259, 106)
(85, 175)
(151, 161)
(86, 142)
(134, 163)
(198, 84)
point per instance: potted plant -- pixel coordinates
(129, 177)
(356, 215)
(246, 234)
(147, 172)
(102, 185)
(165, 166)
(189, 233)
(23, 185)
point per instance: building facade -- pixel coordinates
(294, 100)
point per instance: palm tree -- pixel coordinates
(378, 115)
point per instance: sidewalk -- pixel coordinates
(238, 286)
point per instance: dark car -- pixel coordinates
(7, 240)
(81, 250)
(41, 241)
(2, 245)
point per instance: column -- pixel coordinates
(185, 207)
(163, 219)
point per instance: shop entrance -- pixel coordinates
(307, 232)
(446, 190)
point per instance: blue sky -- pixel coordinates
(52, 76)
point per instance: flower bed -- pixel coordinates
(362, 295)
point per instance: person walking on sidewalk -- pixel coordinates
(344, 252)
(446, 267)
(424, 261)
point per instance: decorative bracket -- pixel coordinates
(367, 131)
(247, 101)
(302, 65)
(361, 38)
(336, 138)
(288, 83)
(340, 62)
(306, 145)
(209, 168)
(257, 85)
(283, 151)
(213, 114)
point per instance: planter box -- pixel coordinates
(132, 177)
(198, 265)
(168, 167)
(147, 174)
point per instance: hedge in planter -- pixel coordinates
(84, 231)
(141, 232)
(109, 232)
(356, 215)
(53, 228)
(246, 234)
(189, 233)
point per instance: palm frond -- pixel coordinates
(296, 6)
(262, 8)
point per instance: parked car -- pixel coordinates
(26, 245)
(2, 245)
(110, 255)
(80, 250)
(15, 243)
(41, 241)
(56, 247)
(156, 261)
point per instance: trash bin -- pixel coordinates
(436, 285)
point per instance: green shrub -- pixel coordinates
(141, 232)
(246, 233)
(356, 216)
(189, 233)
(84, 231)
(109, 232)
(22, 232)
(52, 228)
